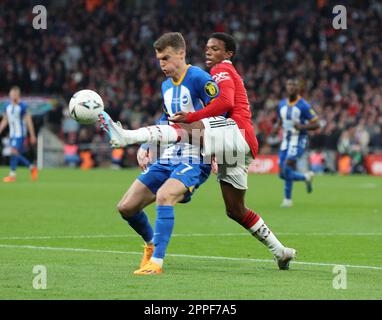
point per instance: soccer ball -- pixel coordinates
(85, 105)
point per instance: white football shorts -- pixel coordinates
(223, 139)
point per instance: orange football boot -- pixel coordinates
(147, 253)
(34, 173)
(150, 268)
(9, 179)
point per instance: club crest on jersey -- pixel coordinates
(185, 99)
(211, 89)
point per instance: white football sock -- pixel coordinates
(157, 261)
(266, 236)
(153, 134)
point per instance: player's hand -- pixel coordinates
(143, 158)
(33, 140)
(179, 117)
(298, 126)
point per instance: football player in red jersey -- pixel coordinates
(226, 133)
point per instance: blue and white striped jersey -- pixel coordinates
(292, 112)
(192, 92)
(15, 114)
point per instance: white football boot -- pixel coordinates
(287, 203)
(114, 130)
(288, 255)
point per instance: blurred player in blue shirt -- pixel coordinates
(296, 117)
(19, 120)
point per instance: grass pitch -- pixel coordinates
(68, 223)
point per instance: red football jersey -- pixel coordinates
(232, 99)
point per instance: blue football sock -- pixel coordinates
(288, 185)
(14, 162)
(140, 223)
(291, 174)
(24, 160)
(164, 225)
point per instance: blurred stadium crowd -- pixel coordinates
(107, 46)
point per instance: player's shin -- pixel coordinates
(140, 223)
(164, 225)
(288, 185)
(153, 134)
(14, 161)
(256, 226)
(24, 161)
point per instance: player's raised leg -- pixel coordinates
(166, 134)
(292, 174)
(131, 209)
(288, 172)
(120, 137)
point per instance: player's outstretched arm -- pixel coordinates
(223, 103)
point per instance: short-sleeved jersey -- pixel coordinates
(15, 114)
(192, 92)
(290, 113)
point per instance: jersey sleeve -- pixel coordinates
(308, 113)
(225, 100)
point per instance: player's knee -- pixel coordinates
(126, 209)
(166, 198)
(236, 213)
(163, 199)
(14, 152)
